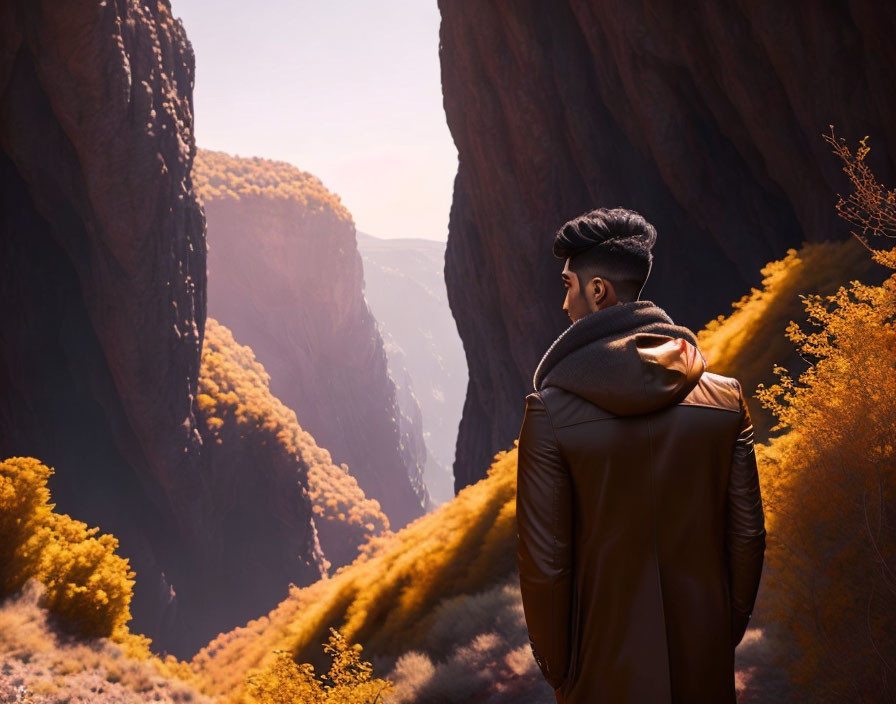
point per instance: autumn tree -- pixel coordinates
(88, 586)
(830, 480)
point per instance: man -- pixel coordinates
(641, 531)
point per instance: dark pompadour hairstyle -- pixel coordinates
(614, 244)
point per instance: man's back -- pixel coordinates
(641, 531)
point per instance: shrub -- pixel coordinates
(830, 485)
(88, 586)
(348, 681)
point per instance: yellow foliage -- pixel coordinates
(221, 176)
(87, 585)
(206, 402)
(24, 502)
(829, 486)
(348, 681)
(388, 595)
(749, 341)
(234, 389)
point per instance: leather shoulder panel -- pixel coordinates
(712, 391)
(565, 408)
(715, 391)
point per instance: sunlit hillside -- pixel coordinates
(41, 665)
(221, 175)
(234, 392)
(387, 598)
(751, 339)
(436, 605)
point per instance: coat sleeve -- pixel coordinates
(745, 527)
(544, 541)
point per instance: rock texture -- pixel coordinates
(405, 287)
(410, 417)
(103, 285)
(706, 118)
(285, 275)
(102, 315)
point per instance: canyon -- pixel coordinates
(285, 275)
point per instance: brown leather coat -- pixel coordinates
(641, 531)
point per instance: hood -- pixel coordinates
(628, 359)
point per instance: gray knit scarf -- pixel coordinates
(620, 320)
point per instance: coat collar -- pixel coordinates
(628, 358)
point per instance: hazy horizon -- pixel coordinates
(348, 91)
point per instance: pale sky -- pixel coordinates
(349, 90)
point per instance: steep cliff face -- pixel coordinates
(285, 275)
(707, 119)
(102, 293)
(255, 511)
(410, 416)
(405, 287)
(102, 313)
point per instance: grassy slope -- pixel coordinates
(749, 341)
(383, 599)
(387, 599)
